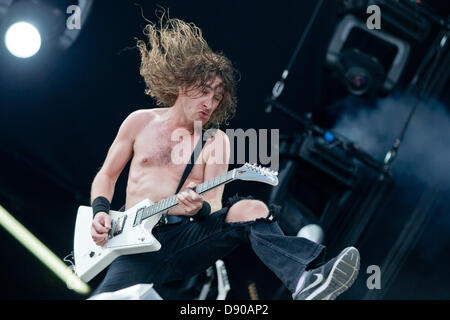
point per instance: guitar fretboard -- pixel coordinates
(170, 202)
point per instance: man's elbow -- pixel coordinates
(103, 183)
(106, 174)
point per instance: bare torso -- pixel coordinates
(153, 174)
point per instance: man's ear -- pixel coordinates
(184, 91)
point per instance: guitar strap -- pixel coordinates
(187, 171)
(191, 163)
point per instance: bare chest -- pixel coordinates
(157, 147)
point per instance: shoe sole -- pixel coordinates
(342, 275)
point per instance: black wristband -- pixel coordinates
(100, 204)
(203, 212)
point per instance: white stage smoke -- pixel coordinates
(425, 149)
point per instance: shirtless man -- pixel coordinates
(193, 83)
(145, 136)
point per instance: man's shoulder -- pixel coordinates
(140, 117)
(217, 148)
(215, 135)
(218, 141)
(141, 114)
(136, 121)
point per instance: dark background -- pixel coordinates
(60, 111)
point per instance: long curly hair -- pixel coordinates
(177, 56)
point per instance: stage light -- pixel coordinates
(46, 25)
(23, 40)
(44, 254)
(368, 62)
(312, 232)
(329, 137)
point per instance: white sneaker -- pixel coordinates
(332, 278)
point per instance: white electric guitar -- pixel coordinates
(131, 230)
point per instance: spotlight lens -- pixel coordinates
(23, 40)
(358, 80)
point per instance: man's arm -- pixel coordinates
(118, 156)
(104, 182)
(217, 162)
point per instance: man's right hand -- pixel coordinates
(100, 227)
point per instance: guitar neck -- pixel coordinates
(170, 202)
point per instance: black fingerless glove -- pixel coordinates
(203, 212)
(100, 204)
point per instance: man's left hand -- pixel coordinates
(189, 201)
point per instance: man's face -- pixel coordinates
(200, 103)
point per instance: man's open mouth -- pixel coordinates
(204, 115)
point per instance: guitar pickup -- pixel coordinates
(137, 218)
(117, 226)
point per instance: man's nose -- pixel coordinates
(207, 103)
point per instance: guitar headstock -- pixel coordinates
(252, 172)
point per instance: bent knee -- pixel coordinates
(247, 210)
